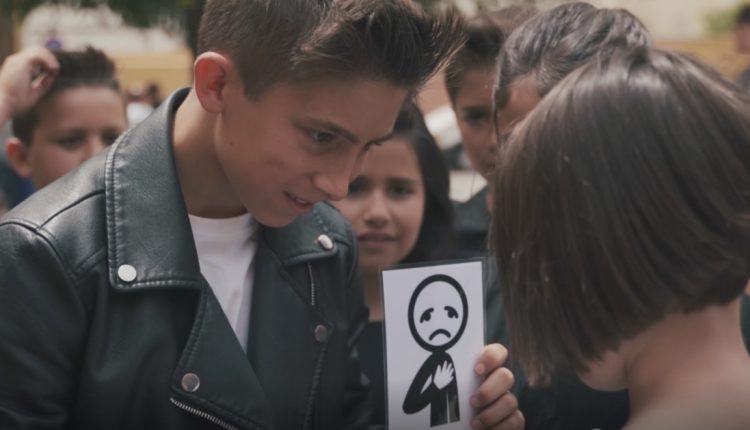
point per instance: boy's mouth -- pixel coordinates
(298, 203)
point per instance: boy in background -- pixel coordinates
(80, 114)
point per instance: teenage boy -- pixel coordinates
(188, 277)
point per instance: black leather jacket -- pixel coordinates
(84, 346)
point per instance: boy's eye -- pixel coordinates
(110, 138)
(476, 118)
(322, 137)
(356, 187)
(70, 142)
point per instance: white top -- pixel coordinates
(226, 250)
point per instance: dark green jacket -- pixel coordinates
(84, 346)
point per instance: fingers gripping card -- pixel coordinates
(434, 333)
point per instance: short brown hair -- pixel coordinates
(623, 197)
(485, 35)
(552, 44)
(86, 68)
(274, 41)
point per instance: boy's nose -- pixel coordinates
(334, 185)
(335, 180)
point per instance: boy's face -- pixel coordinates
(474, 113)
(296, 145)
(73, 126)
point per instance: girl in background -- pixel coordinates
(401, 213)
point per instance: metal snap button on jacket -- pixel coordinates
(190, 382)
(325, 242)
(127, 273)
(321, 333)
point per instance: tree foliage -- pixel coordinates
(721, 22)
(174, 15)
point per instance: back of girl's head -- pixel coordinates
(485, 35)
(87, 68)
(552, 44)
(435, 239)
(623, 197)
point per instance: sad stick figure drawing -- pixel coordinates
(438, 312)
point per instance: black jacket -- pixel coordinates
(83, 346)
(472, 225)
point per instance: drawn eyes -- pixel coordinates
(427, 314)
(451, 312)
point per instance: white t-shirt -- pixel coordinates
(226, 249)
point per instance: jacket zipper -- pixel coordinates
(314, 304)
(205, 415)
(313, 293)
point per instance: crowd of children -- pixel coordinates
(218, 264)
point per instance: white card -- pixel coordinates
(434, 334)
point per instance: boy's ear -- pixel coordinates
(213, 72)
(18, 157)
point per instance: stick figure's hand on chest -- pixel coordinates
(443, 375)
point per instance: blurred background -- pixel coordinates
(152, 42)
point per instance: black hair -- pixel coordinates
(436, 236)
(485, 35)
(552, 44)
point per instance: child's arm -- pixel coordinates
(24, 78)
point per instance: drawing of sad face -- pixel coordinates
(438, 312)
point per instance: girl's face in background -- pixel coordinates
(385, 205)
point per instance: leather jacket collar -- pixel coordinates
(141, 181)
